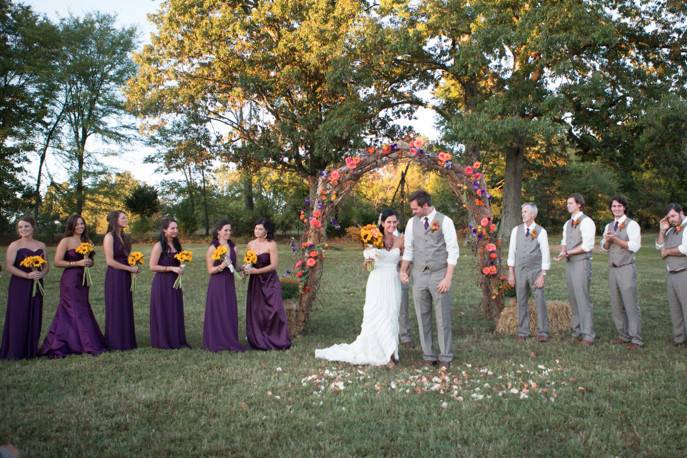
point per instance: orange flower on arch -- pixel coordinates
(493, 270)
(386, 149)
(371, 150)
(418, 143)
(316, 213)
(334, 176)
(485, 270)
(313, 254)
(492, 227)
(476, 165)
(311, 262)
(492, 256)
(479, 202)
(490, 247)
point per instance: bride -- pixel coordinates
(377, 343)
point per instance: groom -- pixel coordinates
(431, 245)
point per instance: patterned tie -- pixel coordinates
(615, 227)
(527, 233)
(426, 223)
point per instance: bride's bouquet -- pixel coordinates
(371, 237)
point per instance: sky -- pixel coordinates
(134, 13)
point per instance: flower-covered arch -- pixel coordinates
(467, 183)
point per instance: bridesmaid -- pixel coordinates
(74, 329)
(120, 331)
(221, 326)
(266, 323)
(166, 302)
(24, 313)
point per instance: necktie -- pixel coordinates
(527, 233)
(615, 227)
(426, 223)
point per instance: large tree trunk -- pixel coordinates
(248, 197)
(80, 187)
(512, 190)
(41, 163)
(205, 202)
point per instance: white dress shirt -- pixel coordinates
(588, 229)
(543, 241)
(450, 238)
(683, 246)
(633, 233)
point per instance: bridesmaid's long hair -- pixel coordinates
(383, 216)
(164, 224)
(269, 227)
(70, 226)
(116, 231)
(218, 227)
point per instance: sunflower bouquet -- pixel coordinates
(250, 258)
(86, 249)
(371, 237)
(184, 257)
(136, 258)
(35, 263)
(221, 254)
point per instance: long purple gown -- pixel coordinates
(167, 308)
(74, 329)
(221, 326)
(24, 314)
(120, 331)
(266, 322)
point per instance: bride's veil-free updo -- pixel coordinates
(387, 212)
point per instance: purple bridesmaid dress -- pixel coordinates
(23, 316)
(266, 323)
(74, 329)
(167, 308)
(221, 325)
(120, 331)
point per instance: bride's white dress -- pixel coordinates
(378, 338)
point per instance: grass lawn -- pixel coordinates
(500, 397)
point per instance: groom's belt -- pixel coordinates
(428, 268)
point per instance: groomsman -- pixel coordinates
(528, 261)
(431, 245)
(672, 242)
(622, 239)
(576, 248)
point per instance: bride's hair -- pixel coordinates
(383, 217)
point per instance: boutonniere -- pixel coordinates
(575, 222)
(679, 228)
(434, 227)
(534, 234)
(621, 226)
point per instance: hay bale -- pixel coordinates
(558, 313)
(294, 316)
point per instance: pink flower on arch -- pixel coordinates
(468, 170)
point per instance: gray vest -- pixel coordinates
(618, 256)
(573, 238)
(527, 251)
(674, 239)
(429, 247)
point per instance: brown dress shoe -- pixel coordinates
(586, 342)
(520, 338)
(633, 346)
(619, 341)
(444, 365)
(542, 339)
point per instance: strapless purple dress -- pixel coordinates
(74, 329)
(266, 322)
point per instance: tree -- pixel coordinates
(187, 146)
(143, 200)
(29, 47)
(316, 76)
(97, 63)
(516, 78)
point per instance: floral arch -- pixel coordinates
(466, 182)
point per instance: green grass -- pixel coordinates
(600, 401)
